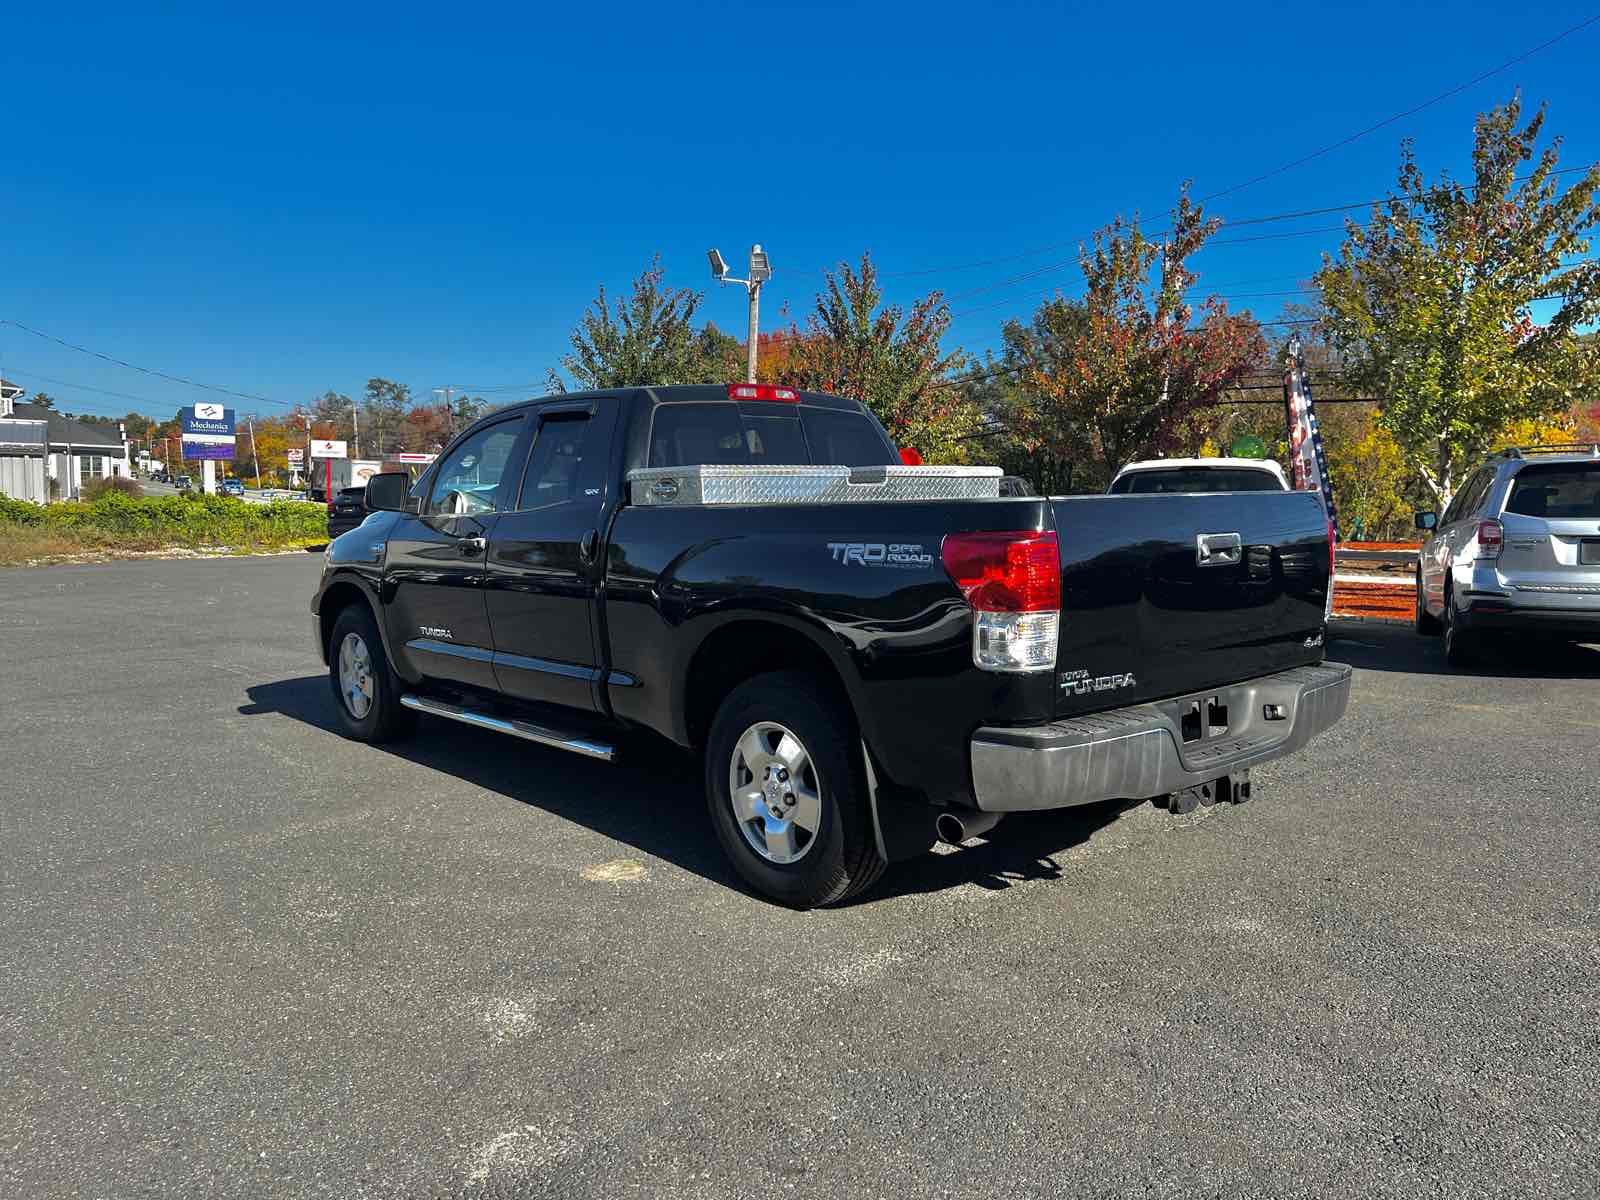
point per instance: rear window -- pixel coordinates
(844, 439)
(1557, 490)
(1195, 479)
(720, 434)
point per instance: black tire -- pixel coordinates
(1460, 646)
(841, 858)
(1427, 623)
(385, 719)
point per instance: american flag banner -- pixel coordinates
(1308, 461)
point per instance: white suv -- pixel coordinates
(1518, 549)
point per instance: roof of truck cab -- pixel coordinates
(683, 393)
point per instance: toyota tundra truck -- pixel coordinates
(867, 656)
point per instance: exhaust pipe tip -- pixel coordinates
(954, 828)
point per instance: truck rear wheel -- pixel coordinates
(787, 791)
(365, 690)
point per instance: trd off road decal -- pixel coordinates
(879, 554)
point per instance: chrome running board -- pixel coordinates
(525, 730)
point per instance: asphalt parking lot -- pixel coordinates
(240, 955)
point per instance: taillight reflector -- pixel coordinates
(762, 391)
(911, 456)
(1491, 537)
(1005, 572)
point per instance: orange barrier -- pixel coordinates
(1378, 601)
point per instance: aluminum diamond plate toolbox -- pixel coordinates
(809, 485)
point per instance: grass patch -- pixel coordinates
(115, 524)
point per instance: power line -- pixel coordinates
(209, 387)
(1400, 116)
(83, 387)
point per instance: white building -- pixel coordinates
(22, 450)
(76, 452)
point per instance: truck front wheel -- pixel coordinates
(365, 689)
(787, 791)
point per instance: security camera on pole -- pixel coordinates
(760, 272)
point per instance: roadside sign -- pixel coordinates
(362, 471)
(415, 458)
(328, 448)
(207, 432)
(297, 456)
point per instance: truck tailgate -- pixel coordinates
(1164, 595)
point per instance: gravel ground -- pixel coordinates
(240, 955)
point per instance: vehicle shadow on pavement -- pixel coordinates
(1021, 849)
(1393, 646)
(626, 801)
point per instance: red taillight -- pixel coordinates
(1005, 572)
(911, 456)
(1491, 537)
(762, 391)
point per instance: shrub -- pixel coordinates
(96, 488)
(116, 519)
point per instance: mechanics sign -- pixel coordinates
(208, 431)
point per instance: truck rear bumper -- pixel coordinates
(1142, 751)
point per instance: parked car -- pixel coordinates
(231, 487)
(183, 483)
(347, 510)
(1198, 475)
(1518, 549)
(863, 661)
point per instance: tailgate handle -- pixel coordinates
(1217, 549)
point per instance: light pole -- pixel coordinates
(449, 408)
(760, 272)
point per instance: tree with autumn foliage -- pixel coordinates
(1111, 377)
(889, 358)
(1430, 303)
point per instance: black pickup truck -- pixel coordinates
(866, 656)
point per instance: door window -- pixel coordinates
(468, 480)
(1467, 498)
(558, 468)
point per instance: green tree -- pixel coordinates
(1430, 304)
(1113, 377)
(384, 409)
(43, 400)
(646, 339)
(890, 359)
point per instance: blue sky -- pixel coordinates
(288, 201)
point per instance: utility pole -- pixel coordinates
(355, 428)
(760, 272)
(251, 426)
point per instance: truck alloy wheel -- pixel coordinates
(776, 793)
(786, 790)
(355, 675)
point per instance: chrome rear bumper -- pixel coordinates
(1139, 752)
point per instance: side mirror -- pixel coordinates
(910, 457)
(387, 492)
(1427, 520)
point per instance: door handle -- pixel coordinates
(472, 545)
(587, 545)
